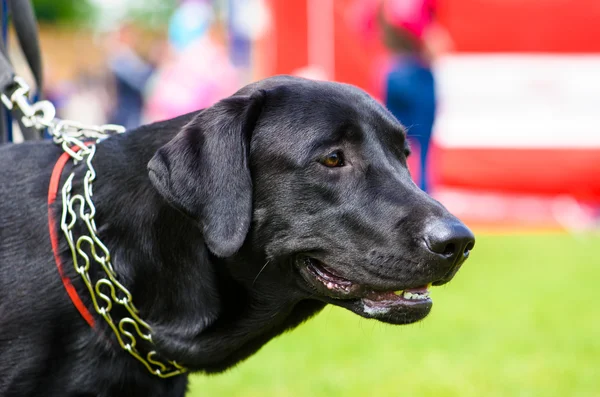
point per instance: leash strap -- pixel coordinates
(5, 117)
(26, 28)
(25, 25)
(7, 73)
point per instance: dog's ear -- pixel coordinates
(204, 171)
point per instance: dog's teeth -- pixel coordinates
(399, 292)
(415, 296)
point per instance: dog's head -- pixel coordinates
(308, 181)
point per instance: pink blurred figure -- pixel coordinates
(198, 74)
(415, 17)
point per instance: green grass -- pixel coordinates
(522, 318)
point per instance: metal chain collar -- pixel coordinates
(107, 291)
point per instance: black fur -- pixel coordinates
(208, 218)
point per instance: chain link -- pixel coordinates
(79, 141)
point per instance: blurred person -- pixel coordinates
(413, 39)
(198, 72)
(409, 88)
(131, 73)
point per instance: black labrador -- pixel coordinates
(228, 226)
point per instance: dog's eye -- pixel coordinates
(333, 159)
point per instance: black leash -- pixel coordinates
(25, 25)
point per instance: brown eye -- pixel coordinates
(333, 159)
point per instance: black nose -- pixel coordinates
(450, 239)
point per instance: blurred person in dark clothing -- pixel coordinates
(409, 31)
(131, 74)
(410, 83)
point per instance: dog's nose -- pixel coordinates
(450, 239)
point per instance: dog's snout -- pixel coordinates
(450, 239)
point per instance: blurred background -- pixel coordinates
(514, 151)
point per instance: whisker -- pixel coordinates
(260, 271)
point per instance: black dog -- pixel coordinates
(229, 226)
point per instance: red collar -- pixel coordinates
(52, 225)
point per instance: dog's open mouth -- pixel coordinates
(398, 307)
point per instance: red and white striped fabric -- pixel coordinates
(518, 132)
